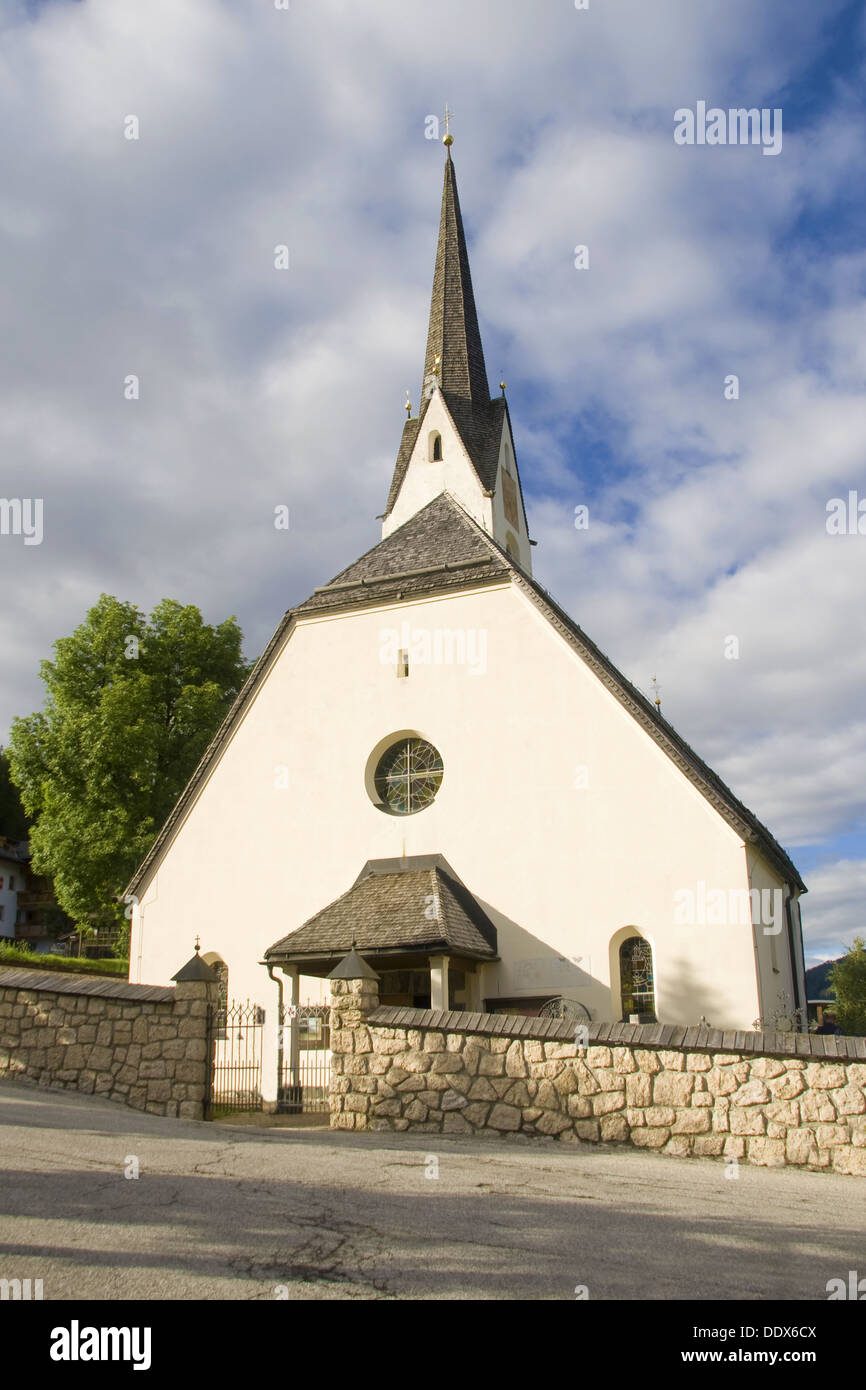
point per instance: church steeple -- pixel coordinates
(460, 442)
(455, 357)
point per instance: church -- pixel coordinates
(433, 763)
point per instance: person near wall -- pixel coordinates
(828, 1024)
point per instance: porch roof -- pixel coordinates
(412, 906)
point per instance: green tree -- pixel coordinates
(848, 979)
(13, 821)
(131, 704)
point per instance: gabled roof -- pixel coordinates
(711, 786)
(414, 904)
(441, 549)
(440, 540)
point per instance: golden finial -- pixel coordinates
(656, 689)
(448, 138)
(502, 387)
(408, 406)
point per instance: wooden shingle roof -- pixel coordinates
(453, 335)
(411, 905)
(440, 542)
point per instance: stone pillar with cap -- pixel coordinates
(354, 996)
(196, 992)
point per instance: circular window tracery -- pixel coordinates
(408, 775)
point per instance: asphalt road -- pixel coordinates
(230, 1212)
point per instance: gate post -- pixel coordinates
(354, 996)
(195, 998)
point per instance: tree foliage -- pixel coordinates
(848, 978)
(131, 704)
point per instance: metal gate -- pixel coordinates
(236, 1079)
(305, 1068)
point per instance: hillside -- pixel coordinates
(818, 980)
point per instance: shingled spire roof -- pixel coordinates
(453, 338)
(453, 334)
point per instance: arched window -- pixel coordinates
(436, 447)
(221, 970)
(636, 980)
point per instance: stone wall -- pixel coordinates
(769, 1099)
(144, 1045)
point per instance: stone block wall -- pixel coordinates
(146, 1046)
(797, 1100)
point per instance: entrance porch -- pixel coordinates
(417, 927)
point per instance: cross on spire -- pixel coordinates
(448, 138)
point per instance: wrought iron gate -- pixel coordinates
(236, 1081)
(305, 1071)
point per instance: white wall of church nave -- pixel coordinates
(427, 478)
(567, 864)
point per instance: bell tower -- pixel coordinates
(460, 441)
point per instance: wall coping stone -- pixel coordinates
(644, 1035)
(104, 987)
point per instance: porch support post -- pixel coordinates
(438, 982)
(292, 1039)
(270, 1080)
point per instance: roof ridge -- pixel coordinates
(662, 729)
(391, 541)
(439, 915)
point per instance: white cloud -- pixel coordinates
(260, 387)
(834, 909)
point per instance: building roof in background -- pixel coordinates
(18, 850)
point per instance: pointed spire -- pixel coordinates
(455, 363)
(454, 353)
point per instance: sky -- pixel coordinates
(307, 127)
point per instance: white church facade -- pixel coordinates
(432, 762)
